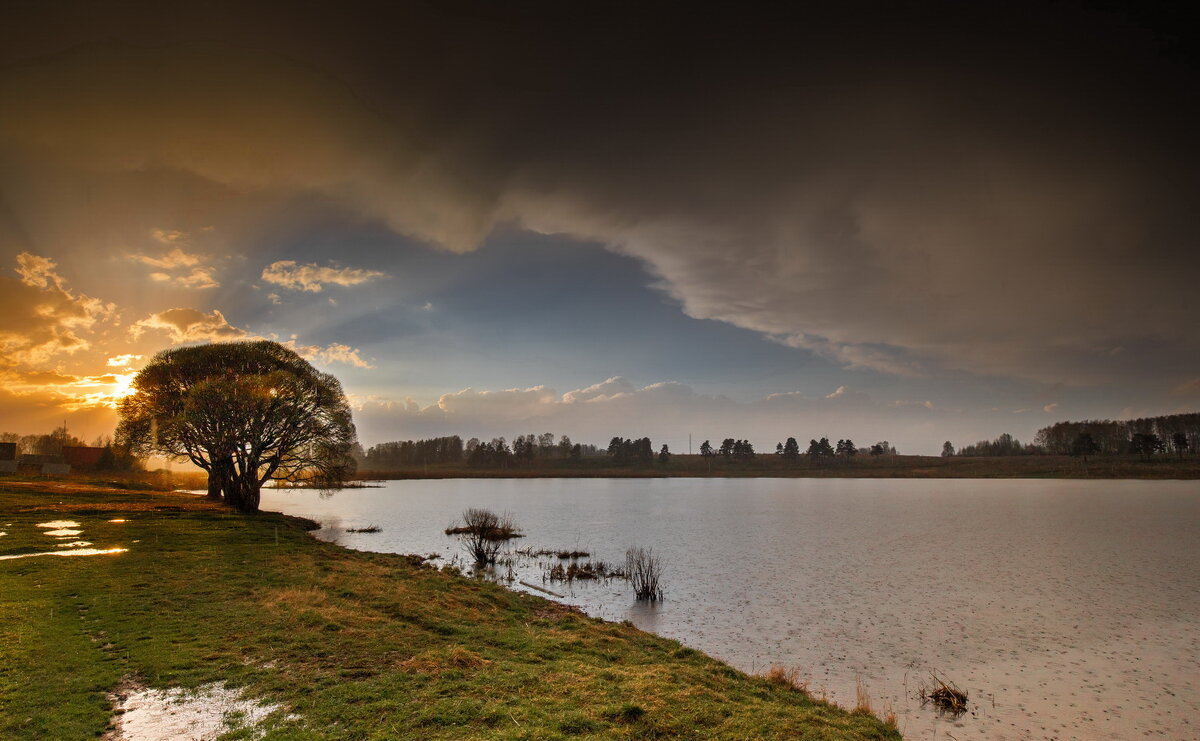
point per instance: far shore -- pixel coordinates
(772, 466)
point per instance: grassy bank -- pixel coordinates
(353, 645)
(891, 466)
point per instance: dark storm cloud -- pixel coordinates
(1005, 189)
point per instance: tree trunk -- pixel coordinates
(215, 483)
(243, 492)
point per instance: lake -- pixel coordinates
(1066, 609)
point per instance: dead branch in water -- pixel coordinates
(944, 695)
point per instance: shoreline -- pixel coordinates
(770, 466)
(205, 595)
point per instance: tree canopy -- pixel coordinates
(245, 412)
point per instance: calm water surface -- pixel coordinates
(1065, 609)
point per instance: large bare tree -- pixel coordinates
(245, 412)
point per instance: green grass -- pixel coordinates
(355, 645)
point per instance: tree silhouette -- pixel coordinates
(947, 449)
(791, 449)
(1180, 441)
(245, 412)
(1146, 444)
(1084, 445)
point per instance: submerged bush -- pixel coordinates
(644, 571)
(483, 533)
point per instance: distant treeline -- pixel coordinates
(625, 452)
(496, 453)
(403, 453)
(1145, 436)
(1176, 432)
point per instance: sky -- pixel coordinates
(911, 222)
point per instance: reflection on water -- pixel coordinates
(63, 530)
(1065, 609)
(58, 524)
(75, 552)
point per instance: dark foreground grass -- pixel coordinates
(355, 645)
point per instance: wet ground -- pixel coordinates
(64, 537)
(1066, 609)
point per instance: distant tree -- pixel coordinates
(947, 449)
(644, 451)
(818, 451)
(576, 452)
(876, 450)
(727, 447)
(1084, 445)
(1180, 442)
(742, 450)
(664, 455)
(1006, 444)
(564, 447)
(791, 449)
(706, 449)
(779, 449)
(1146, 444)
(846, 448)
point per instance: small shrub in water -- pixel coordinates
(644, 571)
(483, 533)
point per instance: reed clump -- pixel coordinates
(862, 698)
(787, 677)
(588, 570)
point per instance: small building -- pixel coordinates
(48, 465)
(82, 457)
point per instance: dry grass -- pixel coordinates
(789, 677)
(439, 660)
(862, 698)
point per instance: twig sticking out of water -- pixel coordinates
(944, 695)
(367, 529)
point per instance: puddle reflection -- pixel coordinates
(75, 552)
(58, 524)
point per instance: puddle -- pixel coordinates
(74, 544)
(205, 713)
(64, 533)
(73, 552)
(58, 524)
